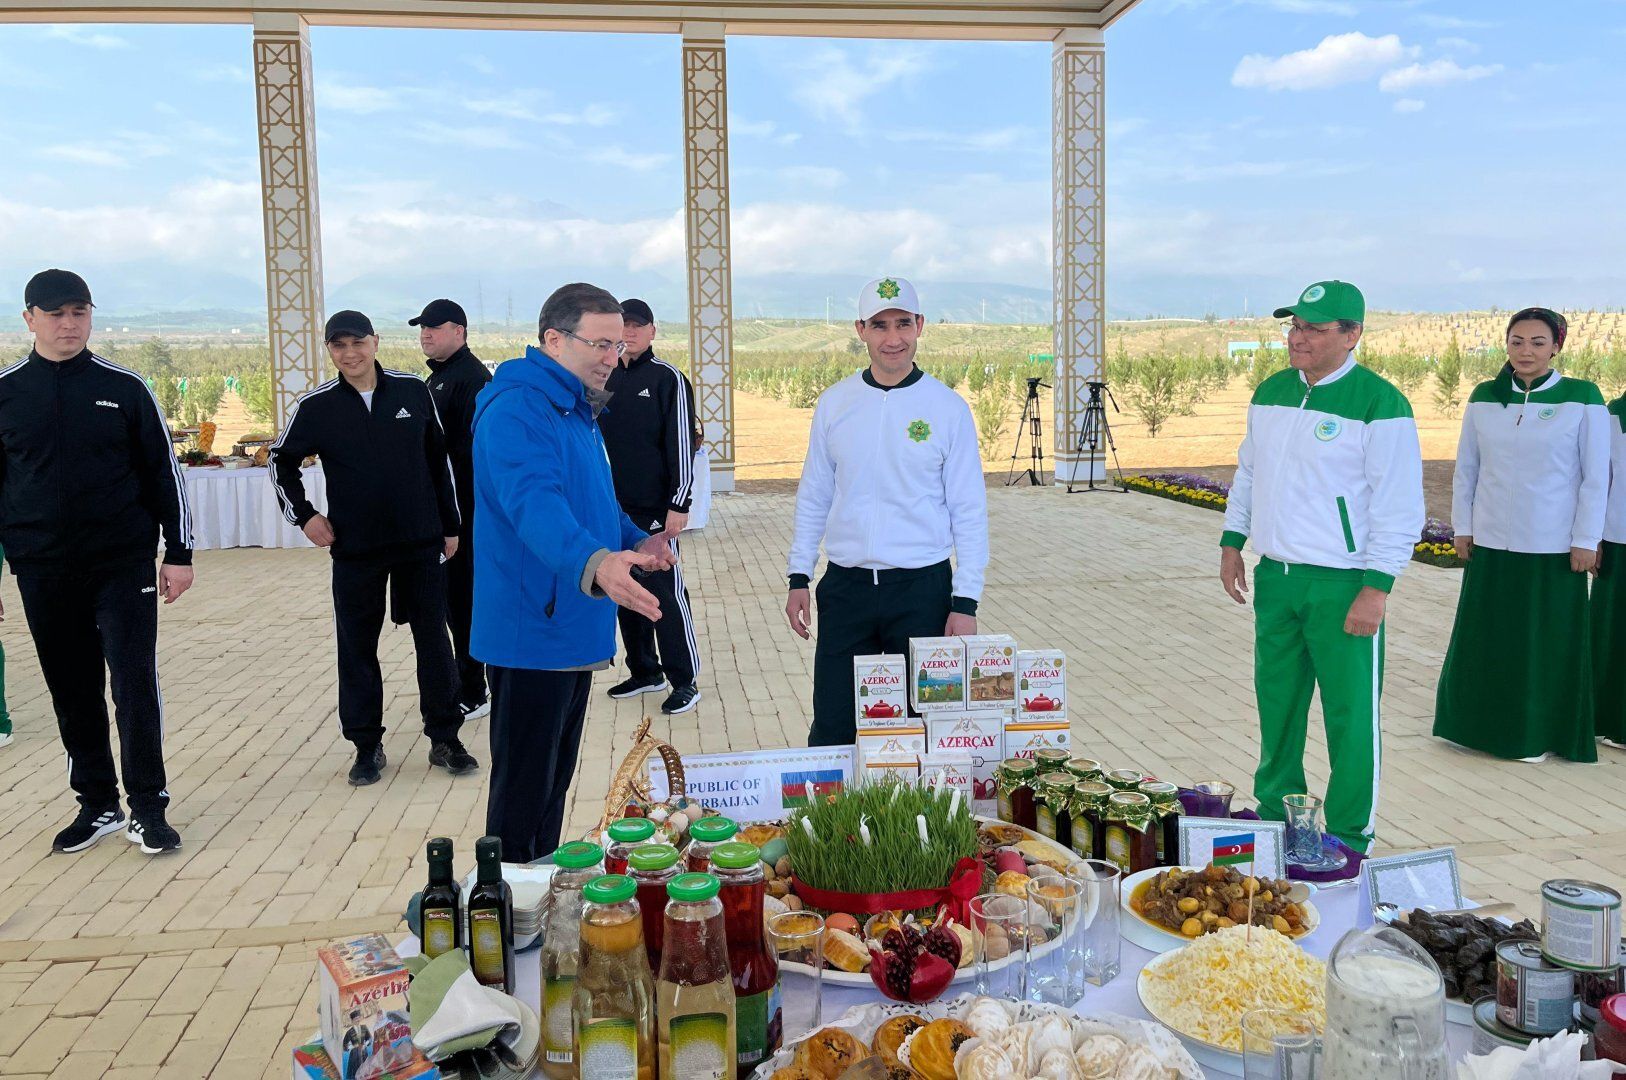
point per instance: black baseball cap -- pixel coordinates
(49, 290)
(353, 323)
(636, 311)
(439, 313)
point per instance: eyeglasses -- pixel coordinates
(617, 347)
(1293, 326)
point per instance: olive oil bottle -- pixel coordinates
(442, 921)
(491, 919)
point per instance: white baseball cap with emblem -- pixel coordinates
(887, 294)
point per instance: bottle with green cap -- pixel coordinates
(753, 964)
(576, 864)
(694, 995)
(491, 918)
(704, 836)
(652, 866)
(439, 909)
(613, 1006)
(625, 834)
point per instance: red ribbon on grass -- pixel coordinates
(965, 882)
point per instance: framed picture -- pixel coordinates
(1201, 838)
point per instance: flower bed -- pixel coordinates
(1434, 547)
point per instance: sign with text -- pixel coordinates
(1256, 848)
(759, 785)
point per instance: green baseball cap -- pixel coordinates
(1327, 301)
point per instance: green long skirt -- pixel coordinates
(1609, 642)
(1517, 680)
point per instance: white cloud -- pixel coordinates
(593, 115)
(1310, 7)
(626, 159)
(91, 39)
(834, 86)
(1338, 59)
(1409, 105)
(222, 73)
(1434, 73)
(473, 136)
(351, 98)
(760, 129)
(480, 63)
(1450, 22)
(1457, 44)
(114, 152)
(85, 154)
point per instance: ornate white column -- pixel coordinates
(1078, 246)
(293, 233)
(705, 201)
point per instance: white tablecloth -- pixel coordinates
(1336, 906)
(234, 508)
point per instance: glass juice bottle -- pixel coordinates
(758, 1011)
(613, 1009)
(491, 918)
(694, 996)
(704, 836)
(441, 917)
(625, 834)
(578, 863)
(651, 866)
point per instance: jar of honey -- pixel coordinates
(1131, 840)
(1016, 796)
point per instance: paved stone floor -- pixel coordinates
(118, 965)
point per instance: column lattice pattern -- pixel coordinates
(1078, 218)
(705, 179)
(293, 237)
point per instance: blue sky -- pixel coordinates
(1439, 153)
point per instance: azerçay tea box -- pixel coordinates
(362, 988)
(879, 694)
(1041, 682)
(990, 665)
(936, 673)
(1027, 735)
(980, 738)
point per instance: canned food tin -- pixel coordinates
(1533, 995)
(1490, 1033)
(1580, 925)
(1593, 988)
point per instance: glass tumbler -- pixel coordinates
(1054, 941)
(999, 924)
(1213, 798)
(1103, 896)
(1279, 1044)
(1303, 829)
(798, 938)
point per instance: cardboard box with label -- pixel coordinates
(901, 741)
(977, 735)
(362, 998)
(879, 696)
(990, 666)
(950, 772)
(937, 674)
(1026, 736)
(1041, 682)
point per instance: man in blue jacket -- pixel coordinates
(556, 556)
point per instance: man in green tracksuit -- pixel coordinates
(1329, 487)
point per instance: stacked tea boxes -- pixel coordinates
(1039, 721)
(890, 742)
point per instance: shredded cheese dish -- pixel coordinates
(1203, 989)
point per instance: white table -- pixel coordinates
(1337, 908)
(233, 508)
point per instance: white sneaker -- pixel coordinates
(1536, 760)
(5, 738)
(1605, 740)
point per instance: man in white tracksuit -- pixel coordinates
(892, 485)
(1329, 487)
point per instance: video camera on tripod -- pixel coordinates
(1094, 432)
(1030, 423)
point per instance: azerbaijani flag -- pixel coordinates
(1231, 850)
(795, 787)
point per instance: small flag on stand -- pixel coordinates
(1233, 850)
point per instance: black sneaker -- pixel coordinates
(451, 756)
(89, 827)
(152, 832)
(635, 686)
(682, 699)
(473, 710)
(370, 761)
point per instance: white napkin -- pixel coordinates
(1557, 1058)
(468, 1008)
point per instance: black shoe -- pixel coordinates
(451, 756)
(152, 832)
(370, 760)
(473, 710)
(682, 699)
(635, 686)
(89, 827)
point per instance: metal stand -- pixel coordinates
(1034, 427)
(1095, 432)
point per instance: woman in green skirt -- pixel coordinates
(1609, 595)
(1527, 510)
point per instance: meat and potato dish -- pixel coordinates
(1198, 902)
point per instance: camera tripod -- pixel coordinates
(1094, 433)
(1034, 427)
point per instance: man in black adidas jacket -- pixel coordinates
(456, 377)
(392, 521)
(651, 437)
(88, 478)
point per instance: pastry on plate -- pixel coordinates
(830, 1052)
(794, 1071)
(844, 951)
(890, 1036)
(931, 1050)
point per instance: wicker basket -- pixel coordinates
(630, 780)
